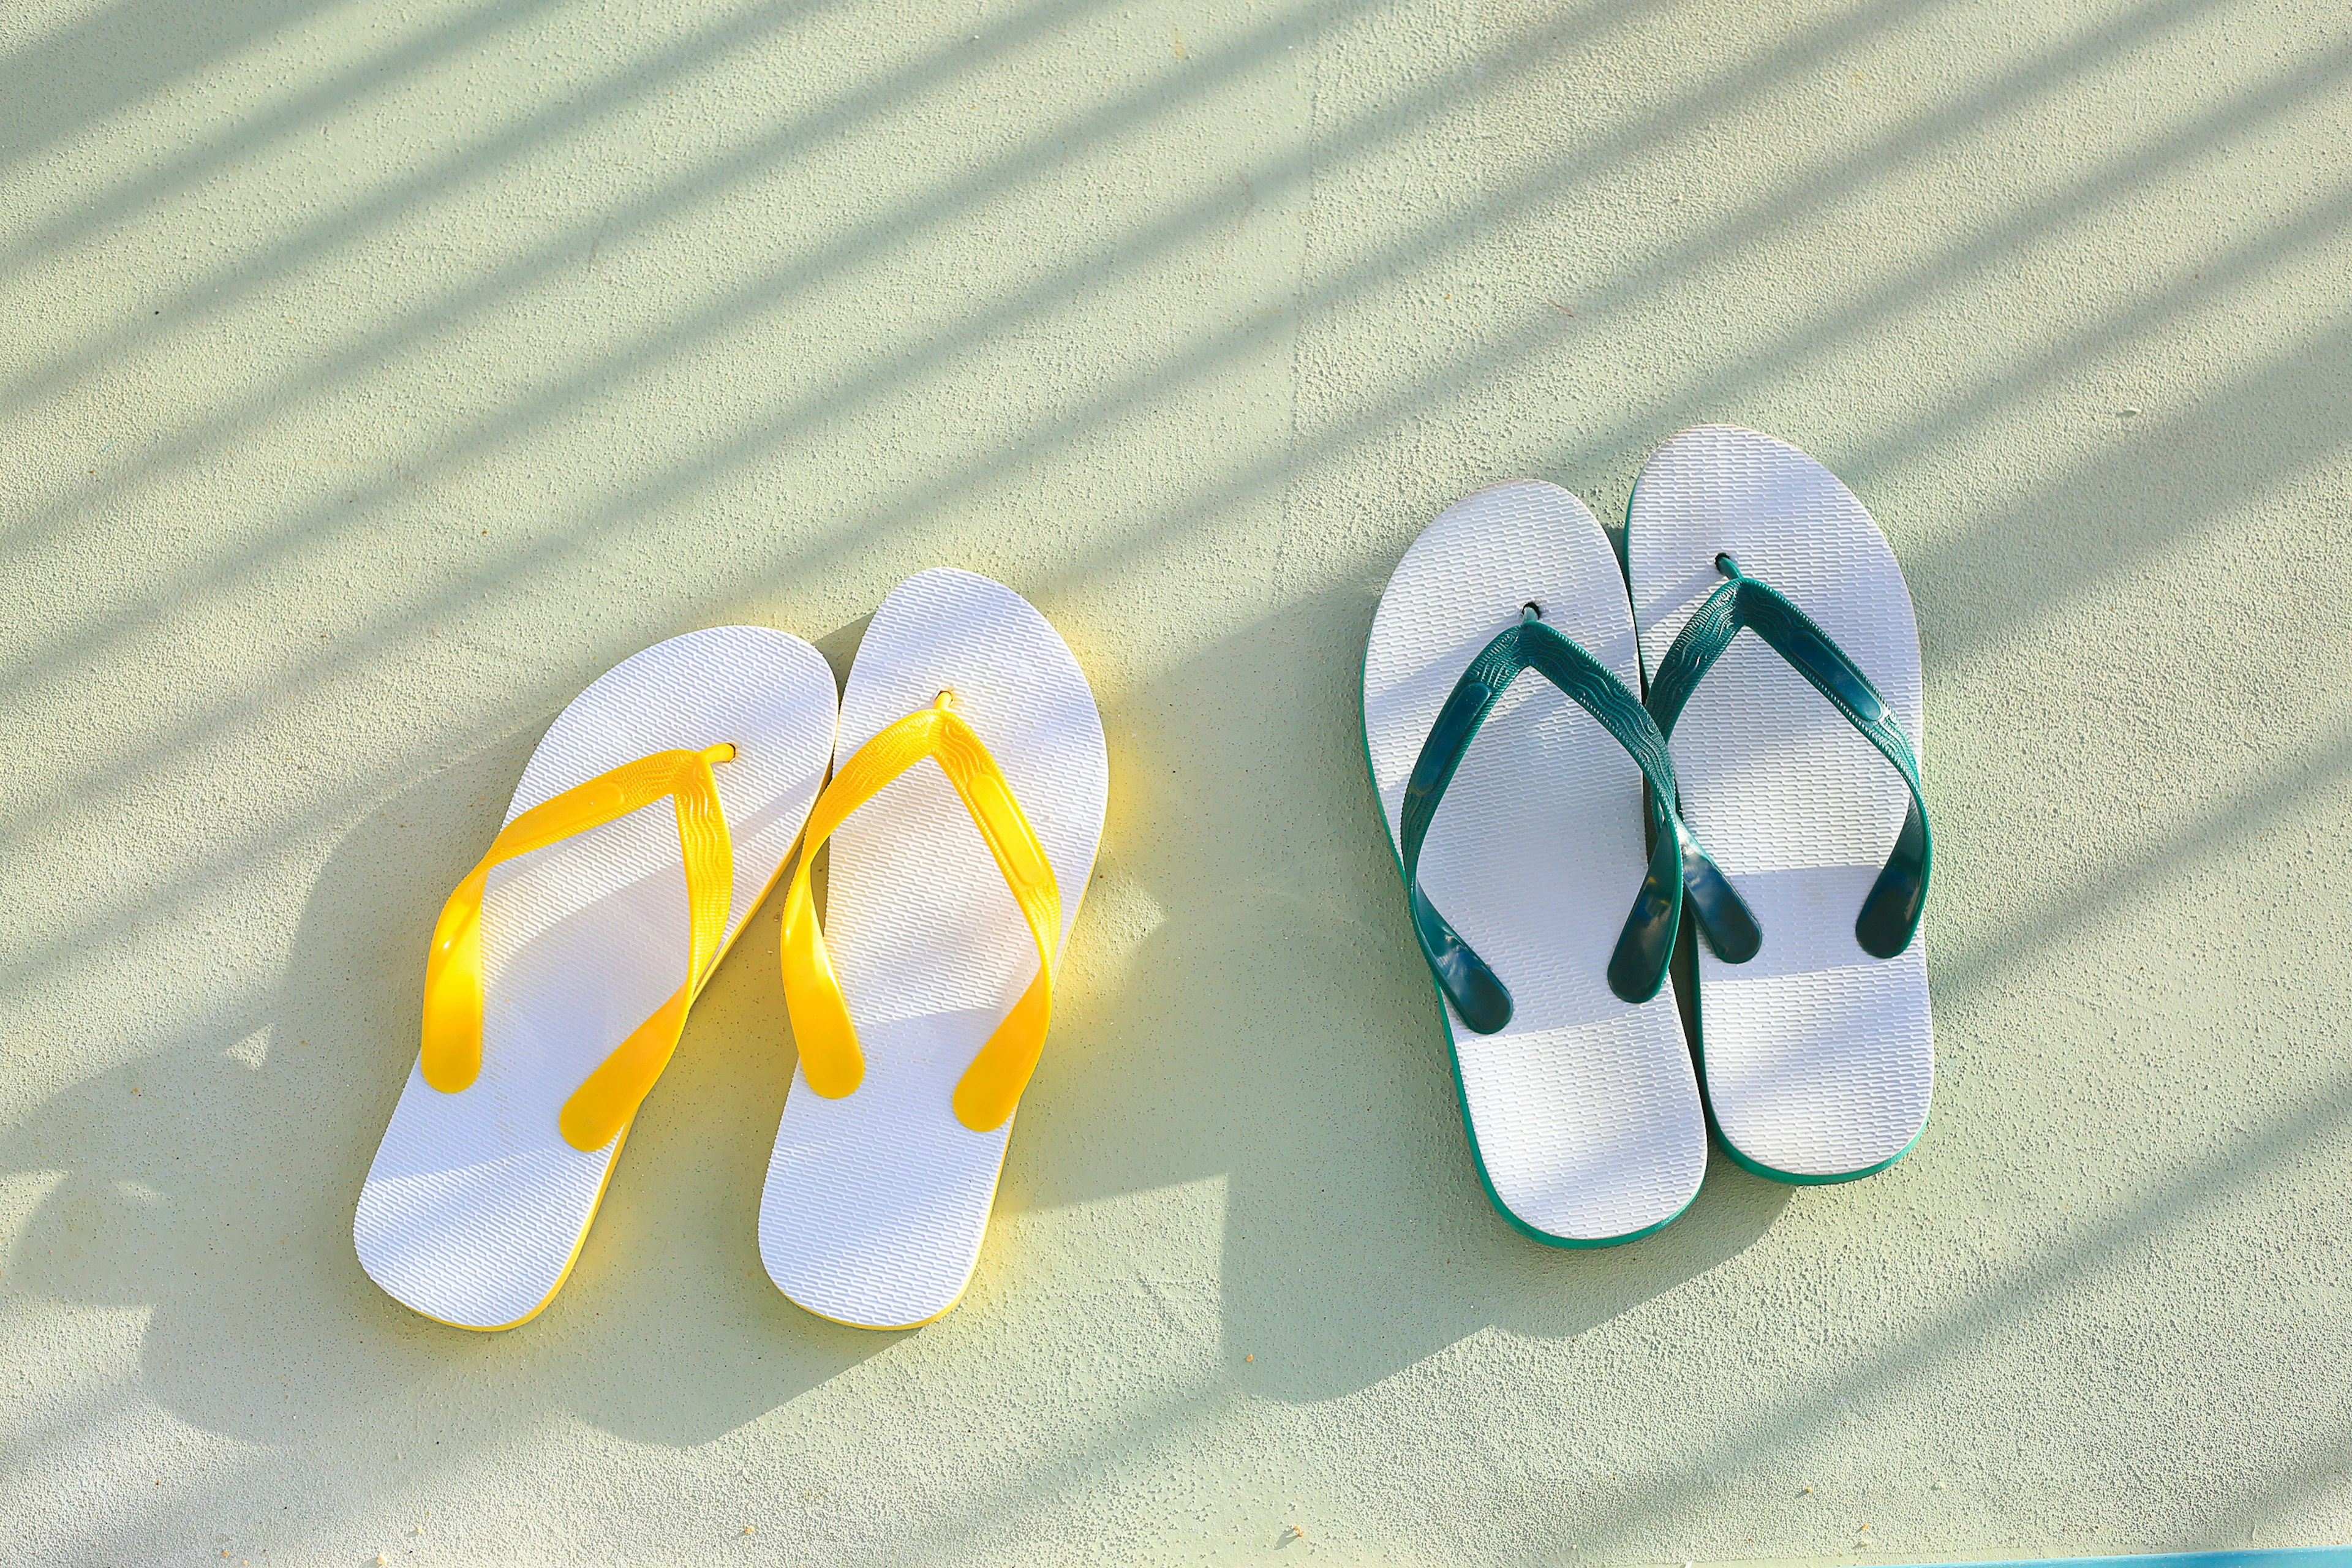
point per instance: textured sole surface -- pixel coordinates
(1584, 1111)
(875, 1203)
(476, 1206)
(1819, 1058)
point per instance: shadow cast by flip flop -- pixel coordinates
(259, 1131)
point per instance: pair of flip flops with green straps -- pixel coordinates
(1554, 827)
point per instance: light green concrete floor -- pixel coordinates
(372, 376)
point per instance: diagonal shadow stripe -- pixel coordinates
(101, 64)
(311, 107)
(1964, 973)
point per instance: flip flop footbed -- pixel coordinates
(875, 1203)
(476, 1206)
(1818, 1057)
(1583, 1113)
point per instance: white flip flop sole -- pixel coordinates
(875, 1203)
(1583, 1113)
(476, 1206)
(1819, 1058)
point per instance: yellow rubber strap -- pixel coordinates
(601, 1107)
(830, 1058)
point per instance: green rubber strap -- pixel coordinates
(1891, 913)
(1638, 967)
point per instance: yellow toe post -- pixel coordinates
(830, 1057)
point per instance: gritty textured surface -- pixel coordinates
(373, 377)
(1585, 1110)
(1819, 1058)
(875, 1203)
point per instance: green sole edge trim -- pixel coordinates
(1478, 1163)
(1794, 1179)
(1731, 1150)
(1461, 1095)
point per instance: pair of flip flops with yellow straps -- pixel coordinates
(654, 817)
